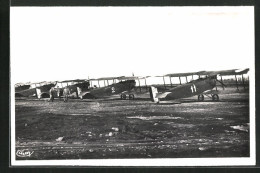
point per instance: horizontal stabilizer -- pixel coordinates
(162, 95)
(81, 94)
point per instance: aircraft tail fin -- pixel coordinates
(153, 93)
(79, 90)
(38, 93)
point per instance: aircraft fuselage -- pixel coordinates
(113, 89)
(193, 88)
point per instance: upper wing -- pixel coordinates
(132, 77)
(211, 73)
(103, 78)
(76, 80)
(225, 72)
(181, 74)
(120, 78)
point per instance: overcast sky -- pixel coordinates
(61, 43)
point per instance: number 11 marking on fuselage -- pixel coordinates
(193, 88)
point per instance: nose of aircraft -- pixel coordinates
(212, 82)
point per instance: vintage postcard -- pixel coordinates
(132, 86)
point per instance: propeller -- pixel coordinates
(215, 77)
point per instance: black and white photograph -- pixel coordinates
(132, 86)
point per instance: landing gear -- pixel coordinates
(131, 97)
(201, 97)
(123, 96)
(215, 97)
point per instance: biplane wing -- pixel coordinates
(120, 78)
(69, 82)
(225, 72)
(211, 73)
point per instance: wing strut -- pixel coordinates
(222, 83)
(164, 83)
(236, 82)
(243, 82)
(98, 84)
(171, 81)
(139, 85)
(216, 83)
(145, 84)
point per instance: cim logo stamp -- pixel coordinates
(24, 153)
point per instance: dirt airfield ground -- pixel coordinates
(101, 129)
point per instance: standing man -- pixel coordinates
(59, 92)
(66, 93)
(52, 92)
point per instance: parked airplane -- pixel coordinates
(22, 86)
(198, 87)
(73, 86)
(124, 85)
(39, 90)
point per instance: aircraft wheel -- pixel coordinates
(131, 97)
(123, 96)
(215, 97)
(201, 97)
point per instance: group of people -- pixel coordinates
(66, 93)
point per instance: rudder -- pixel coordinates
(153, 91)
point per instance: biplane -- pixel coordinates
(22, 86)
(85, 89)
(119, 86)
(38, 90)
(199, 87)
(73, 85)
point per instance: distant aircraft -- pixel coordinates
(38, 90)
(124, 85)
(73, 85)
(21, 86)
(198, 87)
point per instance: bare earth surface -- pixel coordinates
(101, 129)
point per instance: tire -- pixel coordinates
(201, 97)
(215, 97)
(131, 97)
(123, 96)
